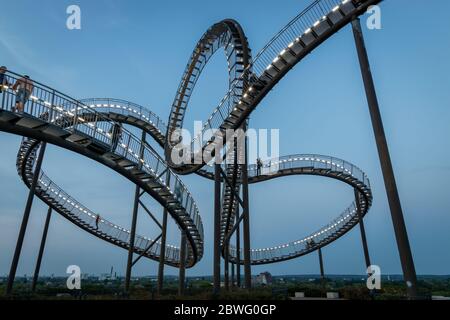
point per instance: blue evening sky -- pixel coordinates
(137, 50)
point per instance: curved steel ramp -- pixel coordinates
(319, 165)
(58, 119)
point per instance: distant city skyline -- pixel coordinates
(138, 53)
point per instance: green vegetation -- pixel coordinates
(201, 289)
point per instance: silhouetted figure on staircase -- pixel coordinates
(97, 220)
(259, 165)
(116, 134)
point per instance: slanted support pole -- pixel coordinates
(217, 204)
(182, 275)
(137, 195)
(322, 272)
(26, 216)
(41, 250)
(362, 229)
(401, 235)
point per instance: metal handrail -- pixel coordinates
(123, 106)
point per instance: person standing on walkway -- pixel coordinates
(116, 135)
(97, 220)
(24, 87)
(3, 80)
(259, 165)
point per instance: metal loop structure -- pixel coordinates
(298, 38)
(305, 164)
(87, 127)
(228, 35)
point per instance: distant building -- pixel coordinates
(263, 279)
(106, 276)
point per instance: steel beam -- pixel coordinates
(162, 254)
(217, 206)
(26, 216)
(132, 239)
(226, 267)
(238, 251)
(233, 281)
(246, 213)
(322, 272)
(182, 276)
(146, 250)
(41, 250)
(150, 214)
(133, 226)
(362, 229)
(401, 235)
(235, 227)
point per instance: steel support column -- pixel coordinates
(322, 272)
(362, 229)
(401, 235)
(246, 213)
(217, 205)
(132, 238)
(226, 266)
(238, 251)
(41, 250)
(133, 226)
(162, 254)
(233, 282)
(182, 275)
(26, 216)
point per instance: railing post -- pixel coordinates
(53, 107)
(75, 121)
(41, 250)
(3, 92)
(26, 216)
(406, 258)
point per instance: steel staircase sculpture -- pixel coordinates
(84, 127)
